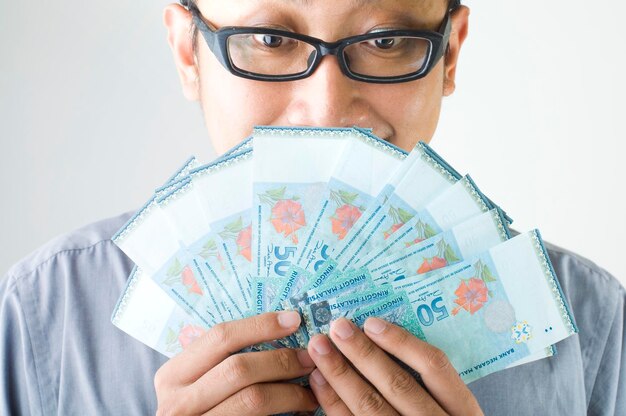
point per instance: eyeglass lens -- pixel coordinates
(266, 54)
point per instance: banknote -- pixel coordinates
(149, 315)
(366, 166)
(149, 240)
(319, 311)
(425, 177)
(338, 223)
(489, 312)
(224, 189)
(202, 246)
(191, 163)
(458, 203)
(463, 241)
(355, 280)
(291, 169)
(293, 283)
(145, 312)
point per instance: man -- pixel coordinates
(62, 355)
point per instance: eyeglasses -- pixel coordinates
(385, 57)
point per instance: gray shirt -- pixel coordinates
(60, 354)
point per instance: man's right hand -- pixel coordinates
(208, 377)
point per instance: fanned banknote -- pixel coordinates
(335, 222)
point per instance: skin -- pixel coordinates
(401, 113)
(353, 374)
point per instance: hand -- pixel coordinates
(208, 377)
(372, 383)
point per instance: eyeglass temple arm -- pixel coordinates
(207, 32)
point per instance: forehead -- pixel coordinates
(427, 13)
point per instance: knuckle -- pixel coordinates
(259, 324)
(169, 407)
(402, 383)
(341, 369)
(437, 359)
(298, 394)
(235, 370)
(217, 335)
(254, 398)
(367, 349)
(402, 337)
(284, 360)
(331, 401)
(370, 401)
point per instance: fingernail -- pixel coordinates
(375, 326)
(305, 359)
(321, 345)
(342, 328)
(289, 319)
(318, 378)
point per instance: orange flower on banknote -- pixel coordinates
(189, 280)
(244, 241)
(416, 241)
(425, 267)
(438, 263)
(392, 230)
(471, 295)
(189, 334)
(434, 264)
(344, 218)
(287, 218)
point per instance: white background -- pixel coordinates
(92, 118)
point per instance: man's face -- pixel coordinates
(400, 113)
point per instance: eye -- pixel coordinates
(385, 43)
(271, 41)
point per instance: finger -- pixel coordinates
(267, 399)
(396, 385)
(242, 370)
(360, 397)
(438, 374)
(223, 340)
(328, 399)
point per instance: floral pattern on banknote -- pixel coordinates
(399, 217)
(180, 273)
(346, 214)
(521, 332)
(242, 236)
(178, 339)
(423, 231)
(210, 250)
(445, 256)
(473, 293)
(287, 215)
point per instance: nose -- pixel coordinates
(327, 98)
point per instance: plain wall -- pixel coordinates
(92, 117)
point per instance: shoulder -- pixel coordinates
(577, 267)
(587, 286)
(595, 296)
(91, 240)
(586, 368)
(598, 303)
(58, 301)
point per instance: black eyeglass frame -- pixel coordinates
(217, 41)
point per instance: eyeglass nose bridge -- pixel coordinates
(324, 49)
